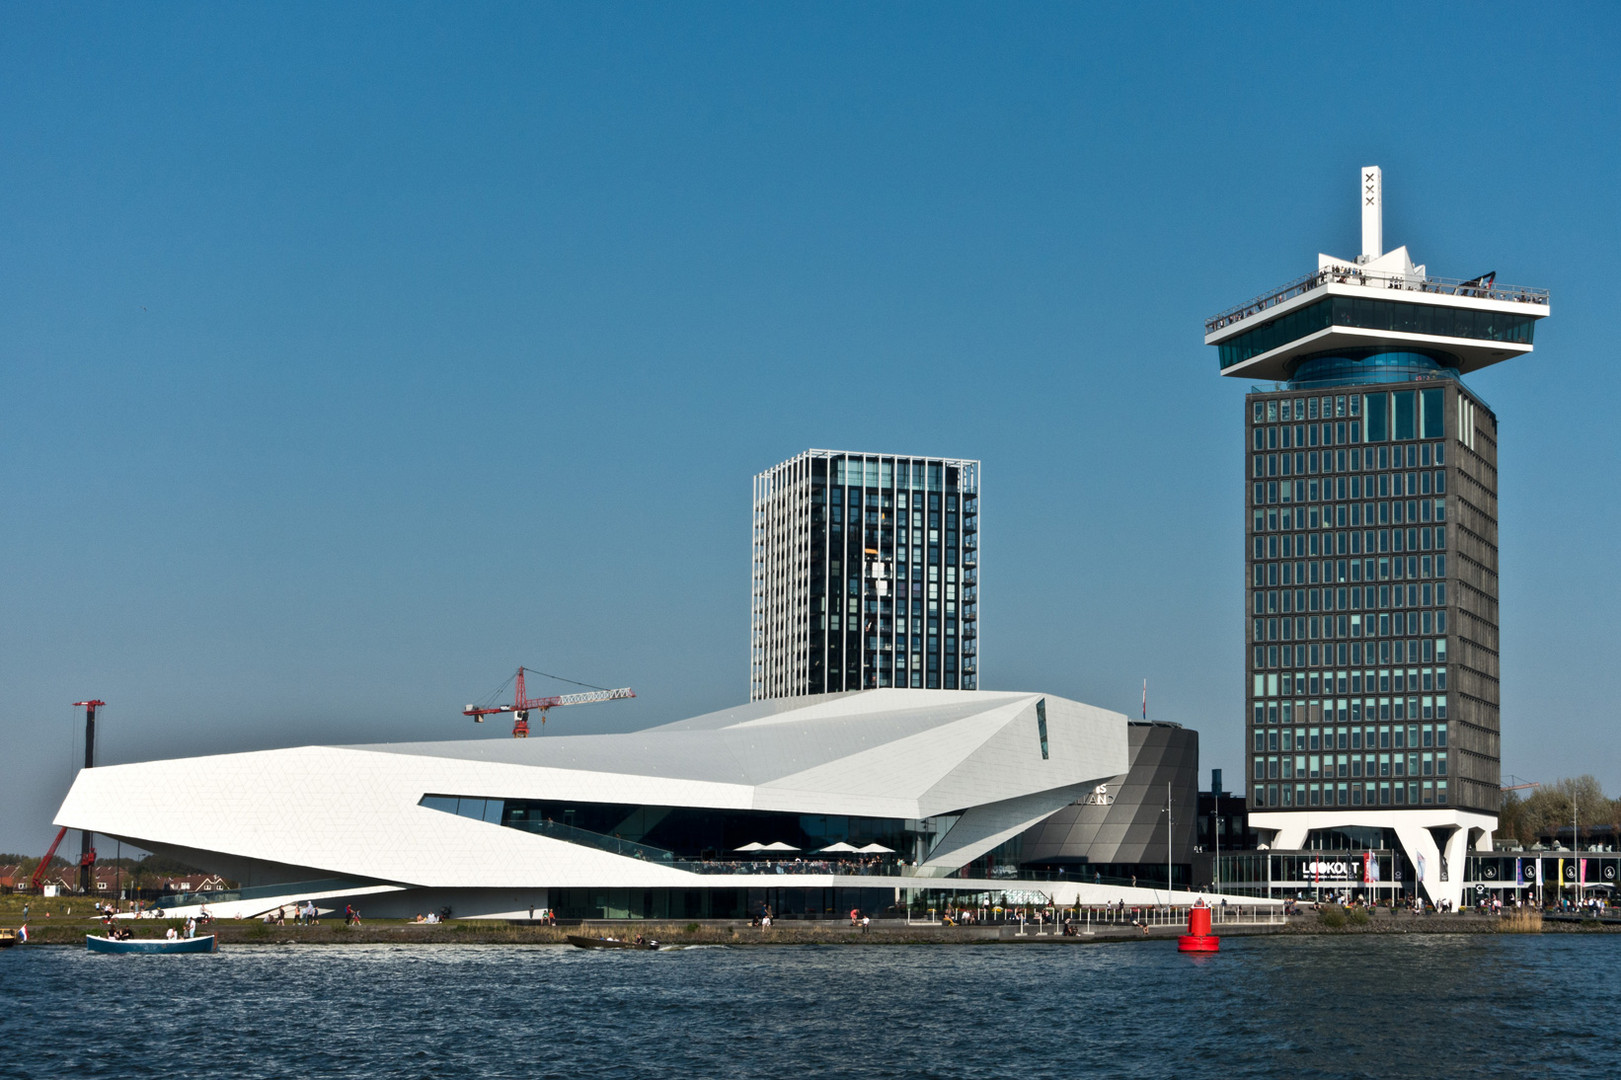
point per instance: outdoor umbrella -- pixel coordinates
(840, 846)
(779, 846)
(756, 846)
(876, 849)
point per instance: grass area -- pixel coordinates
(61, 907)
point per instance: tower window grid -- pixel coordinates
(1371, 583)
(866, 574)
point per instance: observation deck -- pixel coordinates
(1377, 302)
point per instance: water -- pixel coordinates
(1413, 1006)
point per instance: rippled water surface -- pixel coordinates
(1421, 1006)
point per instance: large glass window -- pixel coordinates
(1406, 426)
(1377, 315)
(1375, 417)
(1433, 413)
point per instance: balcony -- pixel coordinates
(1484, 288)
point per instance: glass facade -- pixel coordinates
(1375, 314)
(1371, 573)
(719, 839)
(866, 575)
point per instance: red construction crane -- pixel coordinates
(87, 853)
(522, 705)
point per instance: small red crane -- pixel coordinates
(87, 853)
(522, 704)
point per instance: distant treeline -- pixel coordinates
(1541, 813)
(153, 865)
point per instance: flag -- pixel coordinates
(1581, 872)
(1539, 873)
(1561, 863)
(22, 934)
(1145, 699)
(1367, 867)
(1519, 872)
(1421, 868)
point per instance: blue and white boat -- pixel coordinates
(150, 945)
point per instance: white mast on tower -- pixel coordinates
(1373, 223)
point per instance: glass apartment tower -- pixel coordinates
(1370, 481)
(866, 574)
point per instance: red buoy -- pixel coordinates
(1198, 938)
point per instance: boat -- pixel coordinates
(8, 938)
(206, 943)
(580, 942)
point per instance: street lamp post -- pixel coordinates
(1168, 881)
(1576, 848)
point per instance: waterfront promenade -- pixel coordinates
(1132, 925)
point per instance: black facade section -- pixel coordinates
(1371, 637)
(1120, 834)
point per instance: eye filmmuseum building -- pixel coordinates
(866, 575)
(1371, 635)
(884, 800)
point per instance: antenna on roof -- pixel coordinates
(1373, 216)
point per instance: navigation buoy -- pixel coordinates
(1198, 938)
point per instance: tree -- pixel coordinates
(1511, 818)
(1549, 808)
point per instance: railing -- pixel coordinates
(867, 867)
(1087, 919)
(883, 868)
(1355, 275)
(256, 892)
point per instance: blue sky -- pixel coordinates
(352, 355)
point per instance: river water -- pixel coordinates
(1385, 1006)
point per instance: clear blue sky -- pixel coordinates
(352, 355)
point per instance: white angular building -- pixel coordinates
(812, 805)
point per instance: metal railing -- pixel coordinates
(867, 867)
(1355, 275)
(1087, 919)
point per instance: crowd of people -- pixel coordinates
(875, 864)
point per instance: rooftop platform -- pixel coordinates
(1356, 275)
(1388, 304)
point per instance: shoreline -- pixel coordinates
(737, 933)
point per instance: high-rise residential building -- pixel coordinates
(1370, 481)
(866, 574)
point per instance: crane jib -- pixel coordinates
(522, 704)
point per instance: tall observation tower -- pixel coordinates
(1371, 720)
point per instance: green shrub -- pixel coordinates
(1332, 917)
